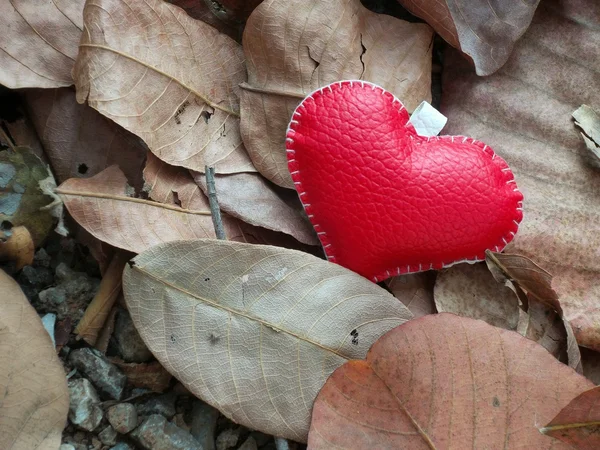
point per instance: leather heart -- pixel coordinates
(384, 200)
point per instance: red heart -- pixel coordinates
(386, 201)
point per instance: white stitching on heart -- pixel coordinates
(327, 246)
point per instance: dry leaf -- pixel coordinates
(198, 9)
(254, 330)
(80, 142)
(524, 113)
(100, 204)
(443, 381)
(236, 11)
(578, 423)
(166, 77)
(150, 375)
(99, 308)
(16, 245)
(415, 290)
(589, 121)
(251, 198)
(39, 42)
(35, 399)
(591, 364)
(471, 291)
(485, 31)
(293, 47)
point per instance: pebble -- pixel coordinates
(249, 444)
(156, 433)
(128, 341)
(66, 447)
(53, 296)
(228, 438)
(203, 424)
(122, 446)
(163, 404)
(108, 436)
(37, 277)
(123, 417)
(108, 379)
(84, 408)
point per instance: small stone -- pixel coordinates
(249, 444)
(261, 438)
(122, 446)
(38, 277)
(128, 341)
(95, 445)
(228, 438)
(53, 296)
(66, 447)
(107, 377)
(203, 424)
(84, 409)
(156, 433)
(42, 258)
(108, 436)
(163, 404)
(123, 417)
(63, 273)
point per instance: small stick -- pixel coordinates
(215, 211)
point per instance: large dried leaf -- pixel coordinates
(166, 77)
(101, 205)
(251, 198)
(578, 423)
(524, 113)
(35, 401)
(293, 47)
(38, 42)
(200, 10)
(254, 330)
(78, 141)
(235, 11)
(447, 382)
(485, 31)
(471, 291)
(415, 290)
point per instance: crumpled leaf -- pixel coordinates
(39, 42)
(485, 31)
(293, 47)
(524, 113)
(251, 198)
(236, 11)
(443, 381)
(35, 399)
(166, 77)
(21, 198)
(589, 121)
(415, 290)
(16, 245)
(469, 290)
(150, 375)
(254, 330)
(78, 141)
(578, 423)
(102, 206)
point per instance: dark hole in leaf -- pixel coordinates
(206, 116)
(176, 199)
(131, 263)
(82, 169)
(496, 402)
(6, 225)
(207, 279)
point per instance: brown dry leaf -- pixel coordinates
(16, 245)
(485, 31)
(443, 381)
(546, 327)
(235, 11)
(39, 42)
(471, 291)
(591, 364)
(101, 205)
(522, 271)
(254, 330)
(589, 121)
(150, 375)
(198, 9)
(293, 47)
(166, 77)
(80, 142)
(99, 308)
(251, 198)
(524, 113)
(415, 290)
(35, 399)
(578, 423)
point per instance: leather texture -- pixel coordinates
(384, 200)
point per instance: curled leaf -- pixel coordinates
(254, 330)
(16, 245)
(415, 291)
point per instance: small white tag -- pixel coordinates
(427, 120)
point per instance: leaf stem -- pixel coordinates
(215, 211)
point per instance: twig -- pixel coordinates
(215, 211)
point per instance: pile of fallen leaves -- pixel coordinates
(128, 102)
